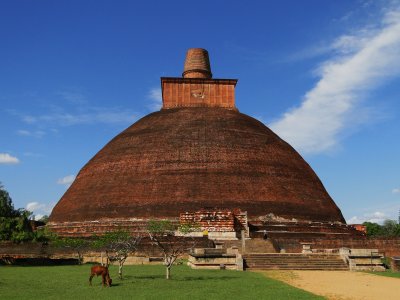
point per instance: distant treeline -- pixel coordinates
(15, 224)
(390, 228)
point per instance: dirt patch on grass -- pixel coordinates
(341, 285)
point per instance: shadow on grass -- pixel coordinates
(146, 277)
(200, 278)
(115, 284)
(95, 285)
(178, 278)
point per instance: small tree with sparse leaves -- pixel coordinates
(76, 244)
(162, 234)
(118, 245)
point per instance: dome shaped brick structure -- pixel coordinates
(198, 151)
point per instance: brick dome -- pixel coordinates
(186, 158)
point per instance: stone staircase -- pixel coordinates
(251, 245)
(260, 246)
(293, 261)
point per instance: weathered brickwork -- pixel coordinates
(184, 159)
(197, 152)
(98, 227)
(388, 246)
(185, 92)
(216, 220)
(197, 64)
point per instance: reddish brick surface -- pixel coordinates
(184, 159)
(197, 64)
(390, 246)
(216, 220)
(183, 92)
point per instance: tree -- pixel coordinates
(44, 219)
(162, 234)
(14, 223)
(373, 229)
(22, 230)
(6, 206)
(390, 228)
(76, 244)
(43, 234)
(118, 245)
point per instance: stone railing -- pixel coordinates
(363, 259)
(216, 258)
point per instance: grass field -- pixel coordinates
(388, 273)
(141, 282)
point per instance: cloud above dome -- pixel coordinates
(362, 61)
(6, 158)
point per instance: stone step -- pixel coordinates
(294, 265)
(290, 264)
(304, 267)
(293, 261)
(290, 255)
(300, 268)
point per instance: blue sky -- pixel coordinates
(324, 75)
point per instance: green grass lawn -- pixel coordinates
(387, 273)
(141, 282)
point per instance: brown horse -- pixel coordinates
(103, 271)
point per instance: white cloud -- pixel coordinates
(39, 209)
(92, 116)
(396, 191)
(73, 97)
(156, 99)
(78, 114)
(355, 220)
(32, 154)
(36, 133)
(6, 158)
(32, 206)
(308, 53)
(67, 180)
(375, 217)
(332, 107)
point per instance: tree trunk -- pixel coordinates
(79, 258)
(168, 275)
(121, 263)
(107, 260)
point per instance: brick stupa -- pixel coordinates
(198, 151)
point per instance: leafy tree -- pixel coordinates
(76, 244)
(15, 229)
(6, 206)
(162, 234)
(118, 245)
(44, 219)
(373, 229)
(22, 230)
(390, 228)
(14, 223)
(43, 234)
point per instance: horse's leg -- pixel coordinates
(108, 279)
(90, 279)
(103, 279)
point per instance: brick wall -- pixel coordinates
(188, 92)
(390, 246)
(217, 220)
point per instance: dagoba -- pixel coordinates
(198, 151)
